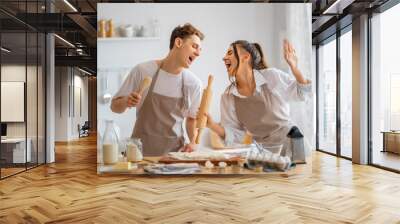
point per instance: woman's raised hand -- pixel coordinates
(289, 53)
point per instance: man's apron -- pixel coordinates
(159, 121)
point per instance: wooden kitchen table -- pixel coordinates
(232, 170)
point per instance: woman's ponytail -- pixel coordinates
(259, 62)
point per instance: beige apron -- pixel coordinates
(256, 116)
(159, 121)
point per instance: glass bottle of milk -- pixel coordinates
(110, 144)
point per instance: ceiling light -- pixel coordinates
(65, 41)
(70, 5)
(5, 50)
(79, 51)
(84, 71)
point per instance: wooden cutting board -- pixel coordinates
(231, 161)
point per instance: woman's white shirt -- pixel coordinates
(281, 85)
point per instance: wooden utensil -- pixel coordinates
(144, 85)
(247, 139)
(231, 161)
(204, 106)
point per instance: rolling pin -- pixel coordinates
(144, 85)
(247, 139)
(204, 105)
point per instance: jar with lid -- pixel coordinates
(102, 28)
(110, 30)
(134, 151)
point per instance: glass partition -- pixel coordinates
(385, 85)
(346, 94)
(327, 97)
(22, 88)
(14, 153)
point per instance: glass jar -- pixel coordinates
(134, 151)
(110, 31)
(155, 28)
(102, 28)
(110, 144)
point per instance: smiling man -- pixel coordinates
(174, 94)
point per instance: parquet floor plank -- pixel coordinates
(70, 191)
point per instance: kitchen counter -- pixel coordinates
(231, 170)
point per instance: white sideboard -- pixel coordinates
(18, 149)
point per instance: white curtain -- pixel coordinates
(290, 24)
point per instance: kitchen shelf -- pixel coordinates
(124, 39)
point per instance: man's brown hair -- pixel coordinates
(184, 32)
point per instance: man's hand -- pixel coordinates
(133, 99)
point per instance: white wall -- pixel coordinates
(222, 24)
(66, 119)
(61, 103)
(80, 83)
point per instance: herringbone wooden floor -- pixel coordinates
(70, 191)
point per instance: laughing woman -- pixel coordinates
(257, 100)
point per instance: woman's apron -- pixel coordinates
(255, 113)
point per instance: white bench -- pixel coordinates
(18, 150)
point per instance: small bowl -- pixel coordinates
(126, 31)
